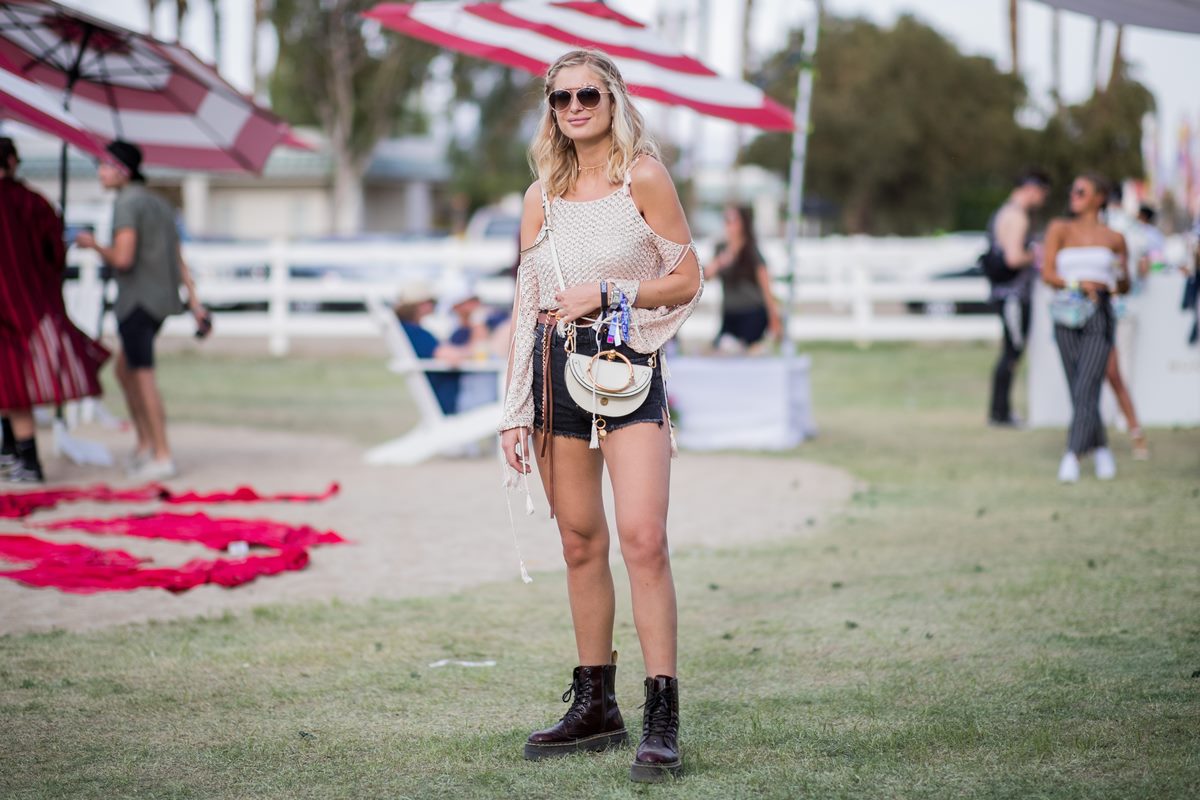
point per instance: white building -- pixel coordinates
(404, 191)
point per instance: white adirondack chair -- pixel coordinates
(436, 432)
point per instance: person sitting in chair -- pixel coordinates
(415, 304)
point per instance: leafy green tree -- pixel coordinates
(1102, 134)
(357, 90)
(908, 134)
(492, 163)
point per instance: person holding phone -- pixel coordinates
(149, 269)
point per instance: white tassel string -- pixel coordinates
(510, 481)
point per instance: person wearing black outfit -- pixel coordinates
(749, 311)
(1010, 266)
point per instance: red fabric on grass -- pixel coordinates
(22, 504)
(215, 533)
(83, 570)
(246, 494)
(16, 547)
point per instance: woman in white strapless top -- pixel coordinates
(1083, 254)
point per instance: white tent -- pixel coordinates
(1167, 15)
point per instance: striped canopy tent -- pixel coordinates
(126, 85)
(531, 35)
(1168, 15)
(26, 102)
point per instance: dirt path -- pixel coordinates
(433, 529)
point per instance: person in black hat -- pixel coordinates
(149, 270)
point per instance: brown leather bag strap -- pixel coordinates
(547, 450)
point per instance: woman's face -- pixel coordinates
(733, 223)
(577, 122)
(1085, 197)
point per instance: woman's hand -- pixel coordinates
(578, 301)
(775, 327)
(1092, 289)
(510, 440)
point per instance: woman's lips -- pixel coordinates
(577, 121)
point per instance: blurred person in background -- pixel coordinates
(1088, 258)
(749, 310)
(475, 332)
(1010, 265)
(44, 358)
(415, 304)
(1141, 239)
(149, 269)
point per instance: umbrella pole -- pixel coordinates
(796, 175)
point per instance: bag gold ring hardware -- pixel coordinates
(610, 354)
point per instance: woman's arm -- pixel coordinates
(719, 264)
(1054, 237)
(774, 320)
(1122, 251)
(517, 425)
(185, 277)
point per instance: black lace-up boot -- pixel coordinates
(658, 753)
(593, 722)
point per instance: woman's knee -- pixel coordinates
(644, 546)
(583, 547)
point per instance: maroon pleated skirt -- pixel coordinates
(52, 364)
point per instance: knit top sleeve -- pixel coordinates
(518, 396)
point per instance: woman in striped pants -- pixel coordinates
(1085, 256)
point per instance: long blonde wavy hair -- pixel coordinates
(552, 154)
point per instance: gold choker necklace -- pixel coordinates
(582, 168)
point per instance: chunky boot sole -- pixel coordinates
(655, 773)
(535, 751)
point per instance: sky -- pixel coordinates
(1165, 62)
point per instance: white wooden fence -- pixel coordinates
(848, 288)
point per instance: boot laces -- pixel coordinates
(581, 691)
(657, 719)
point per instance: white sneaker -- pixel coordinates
(1106, 465)
(135, 461)
(153, 471)
(1068, 468)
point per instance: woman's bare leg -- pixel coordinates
(639, 465)
(1113, 375)
(579, 509)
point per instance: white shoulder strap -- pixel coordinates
(562, 284)
(629, 174)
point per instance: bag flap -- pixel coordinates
(609, 373)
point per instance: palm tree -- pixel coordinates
(215, 6)
(260, 17)
(1013, 35)
(1114, 75)
(1056, 59)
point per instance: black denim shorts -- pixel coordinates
(137, 332)
(571, 420)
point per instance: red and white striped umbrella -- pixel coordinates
(126, 85)
(531, 35)
(24, 101)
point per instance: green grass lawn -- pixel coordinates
(966, 628)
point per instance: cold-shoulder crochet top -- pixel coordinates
(602, 239)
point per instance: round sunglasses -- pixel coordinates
(589, 97)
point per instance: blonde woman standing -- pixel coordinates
(607, 270)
